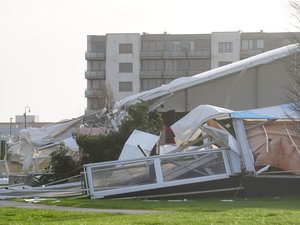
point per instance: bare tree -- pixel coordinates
(292, 89)
(107, 98)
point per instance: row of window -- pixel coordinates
(99, 45)
(157, 65)
(252, 44)
(124, 86)
(188, 46)
(246, 45)
(146, 84)
(126, 48)
(176, 65)
(173, 45)
(127, 86)
(100, 65)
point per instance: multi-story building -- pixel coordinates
(120, 65)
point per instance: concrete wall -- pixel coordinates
(272, 81)
(260, 86)
(216, 56)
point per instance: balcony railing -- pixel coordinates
(99, 74)
(95, 55)
(175, 74)
(199, 54)
(151, 55)
(175, 54)
(151, 74)
(168, 74)
(93, 93)
(249, 53)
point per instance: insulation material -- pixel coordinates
(276, 144)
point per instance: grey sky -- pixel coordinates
(42, 42)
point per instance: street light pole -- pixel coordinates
(10, 126)
(27, 107)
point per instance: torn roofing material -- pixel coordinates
(182, 83)
(186, 127)
(274, 112)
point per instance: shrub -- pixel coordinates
(108, 147)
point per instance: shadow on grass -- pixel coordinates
(182, 205)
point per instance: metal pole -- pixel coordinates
(25, 119)
(10, 126)
(27, 107)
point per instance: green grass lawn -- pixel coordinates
(197, 211)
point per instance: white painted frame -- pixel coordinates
(159, 183)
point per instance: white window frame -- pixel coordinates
(225, 46)
(160, 183)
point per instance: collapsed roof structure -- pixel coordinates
(31, 154)
(233, 144)
(217, 129)
(217, 150)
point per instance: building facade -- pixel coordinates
(119, 65)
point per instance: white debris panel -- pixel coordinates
(138, 145)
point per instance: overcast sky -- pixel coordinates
(42, 42)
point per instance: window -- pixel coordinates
(148, 84)
(202, 45)
(152, 45)
(259, 44)
(94, 84)
(97, 44)
(225, 46)
(245, 45)
(125, 67)
(96, 65)
(178, 45)
(199, 64)
(223, 63)
(176, 65)
(253, 44)
(181, 65)
(125, 48)
(152, 65)
(125, 86)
